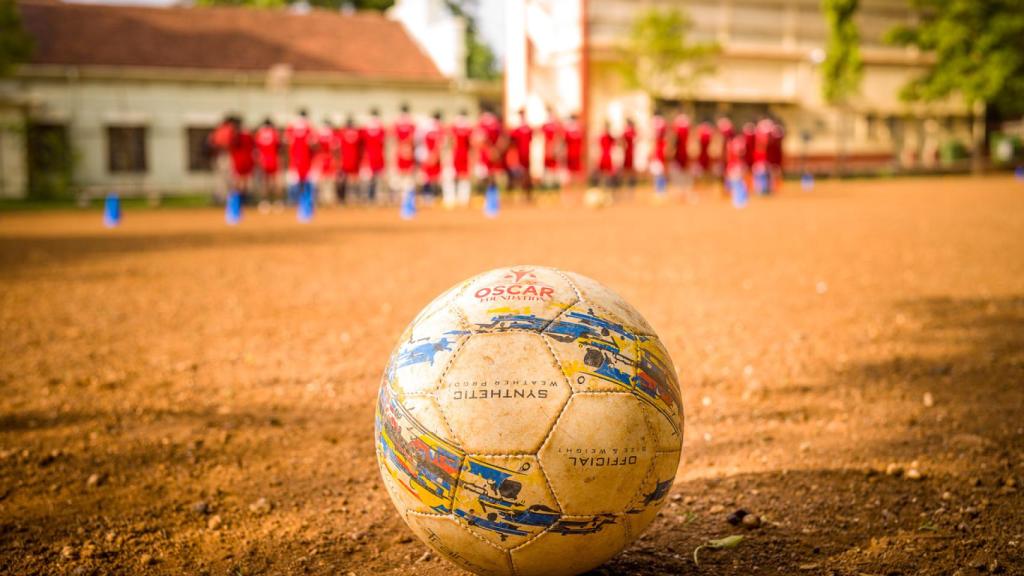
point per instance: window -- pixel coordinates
(871, 125)
(126, 148)
(200, 157)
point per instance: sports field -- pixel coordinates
(181, 397)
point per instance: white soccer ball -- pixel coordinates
(529, 423)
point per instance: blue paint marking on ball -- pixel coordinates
(112, 211)
(491, 205)
(233, 208)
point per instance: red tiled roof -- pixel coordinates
(364, 45)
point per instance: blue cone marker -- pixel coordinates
(408, 208)
(233, 208)
(660, 183)
(491, 205)
(739, 193)
(807, 181)
(112, 211)
(305, 213)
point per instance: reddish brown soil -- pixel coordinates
(186, 364)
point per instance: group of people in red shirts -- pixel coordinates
(349, 163)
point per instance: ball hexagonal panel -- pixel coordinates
(571, 547)
(517, 298)
(502, 392)
(451, 539)
(598, 453)
(504, 499)
(599, 295)
(425, 350)
(653, 492)
(422, 467)
(595, 352)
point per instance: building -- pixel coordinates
(566, 54)
(119, 98)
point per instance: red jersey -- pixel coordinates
(220, 138)
(324, 163)
(522, 136)
(462, 134)
(681, 127)
(299, 136)
(775, 146)
(350, 141)
(749, 140)
(628, 147)
(488, 134)
(372, 136)
(726, 130)
(762, 136)
(704, 146)
(552, 130)
(573, 135)
(607, 142)
(268, 145)
(659, 129)
(405, 131)
(242, 148)
(736, 155)
(433, 141)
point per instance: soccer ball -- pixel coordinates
(529, 422)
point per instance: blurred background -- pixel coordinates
(123, 96)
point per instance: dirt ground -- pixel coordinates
(180, 397)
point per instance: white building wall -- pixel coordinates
(440, 34)
(13, 176)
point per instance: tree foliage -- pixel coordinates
(978, 47)
(842, 69)
(659, 60)
(15, 43)
(481, 63)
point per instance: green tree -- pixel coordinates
(15, 43)
(979, 55)
(658, 59)
(842, 68)
(481, 64)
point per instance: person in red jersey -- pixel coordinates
(681, 154)
(775, 139)
(519, 167)
(726, 132)
(749, 140)
(325, 162)
(629, 153)
(404, 133)
(243, 160)
(573, 135)
(759, 169)
(268, 150)
(433, 144)
(552, 131)
(736, 170)
(300, 139)
(659, 132)
(704, 134)
(350, 141)
(218, 145)
(488, 141)
(458, 192)
(372, 137)
(605, 162)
